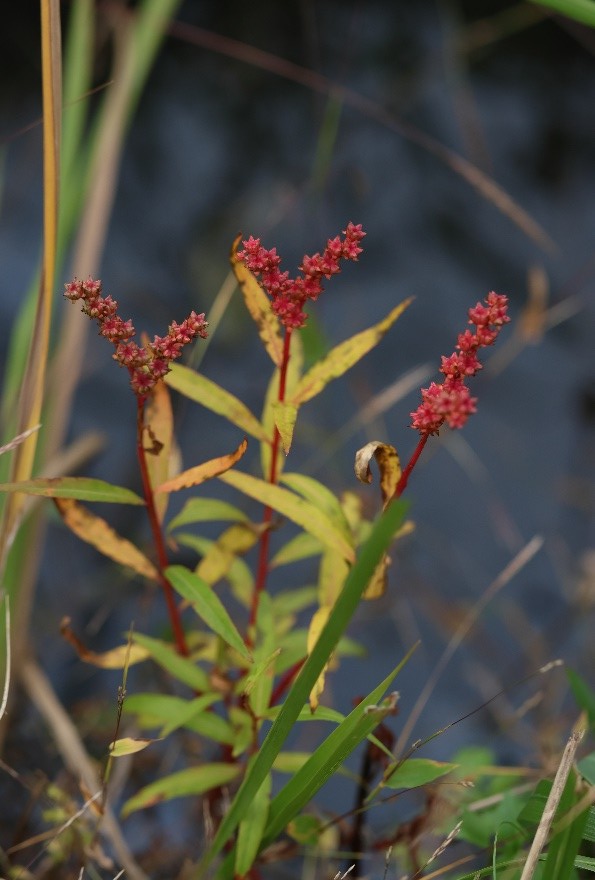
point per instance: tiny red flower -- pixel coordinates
(289, 295)
(450, 401)
(147, 364)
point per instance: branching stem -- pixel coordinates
(161, 553)
(263, 556)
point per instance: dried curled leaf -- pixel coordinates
(116, 658)
(97, 532)
(388, 463)
(212, 468)
(164, 460)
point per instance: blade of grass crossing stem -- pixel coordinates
(563, 847)
(371, 554)
(321, 765)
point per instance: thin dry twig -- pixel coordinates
(74, 755)
(552, 802)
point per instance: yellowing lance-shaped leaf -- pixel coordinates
(293, 375)
(116, 658)
(343, 357)
(303, 546)
(81, 488)
(158, 439)
(285, 415)
(128, 746)
(207, 605)
(234, 542)
(318, 494)
(331, 577)
(388, 463)
(297, 509)
(259, 306)
(416, 771)
(377, 583)
(316, 626)
(94, 530)
(206, 510)
(193, 781)
(206, 471)
(210, 395)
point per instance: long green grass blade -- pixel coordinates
(371, 554)
(580, 10)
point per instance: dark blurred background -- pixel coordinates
(224, 142)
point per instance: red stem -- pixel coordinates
(402, 484)
(285, 681)
(162, 561)
(263, 556)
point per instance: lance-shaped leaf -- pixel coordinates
(127, 745)
(193, 781)
(343, 357)
(196, 475)
(415, 772)
(271, 404)
(259, 306)
(285, 415)
(252, 828)
(316, 626)
(294, 508)
(207, 605)
(115, 658)
(388, 463)
(97, 532)
(160, 448)
(210, 395)
(182, 668)
(234, 542)
(80, 488)
(206, 510)
(318, 494)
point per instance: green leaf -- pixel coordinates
(207, 605)
(81, 488)
(582, 693)
(206, 510)
(182, 668)
(579, 10)
(292, 601)
(193, 781)
(128, 746)
(371, 554)
(303, 546)
(321, 497)
(294, 508)
(155, 710)
(328, 757)
(210, 395)
(252, 828)
(415, 772)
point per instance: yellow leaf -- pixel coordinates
(127, 745)
(332, 573)
(196, 475)
(299, 511)
(377, 584)
(197, 387)
(159, 427)
(388, 463)
(316, 626)
(343, 357)
(293, 376)
(97, 532)
(234, 542)
(117, 658)
(285, 418)
(259, 306)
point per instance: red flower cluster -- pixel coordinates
(450, 401)
(289, 295)
(148, 364)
